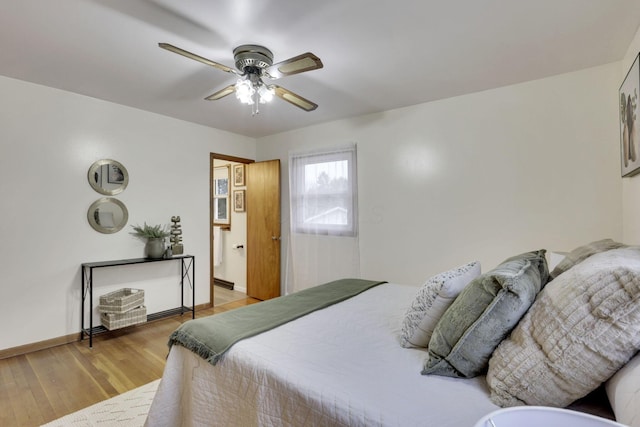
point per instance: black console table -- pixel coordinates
(187, 270)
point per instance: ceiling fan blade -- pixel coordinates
(222, 93)
(298, 64)
(294, 98)
(198, 58)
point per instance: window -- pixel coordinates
(221, 195)
(323, 189)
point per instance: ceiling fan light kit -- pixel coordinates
(254, 63)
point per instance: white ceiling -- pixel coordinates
(377, 54)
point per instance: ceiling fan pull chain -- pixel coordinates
(256, 103)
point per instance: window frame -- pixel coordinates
(298, 162)
(217, 221)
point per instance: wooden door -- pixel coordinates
(263, 229)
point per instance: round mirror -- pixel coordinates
(108, 177)
(107, 215)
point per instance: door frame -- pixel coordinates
(212, 157)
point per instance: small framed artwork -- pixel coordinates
(629, 136)
(239, 201)
(238, 175)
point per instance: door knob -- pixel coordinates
(275, 238)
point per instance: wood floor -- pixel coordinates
(39, 387)
(224, 296)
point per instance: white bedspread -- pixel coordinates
(341, 366)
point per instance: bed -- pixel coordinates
(342, 365)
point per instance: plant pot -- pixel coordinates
(155, 248)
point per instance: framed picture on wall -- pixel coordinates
(238, 175)
(238, 201)
(629, 132)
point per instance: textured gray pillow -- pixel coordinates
(432, 300)
(484, 314)
(581, 253)
(584, 326)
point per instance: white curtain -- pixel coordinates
(323, 200)
(217, 246)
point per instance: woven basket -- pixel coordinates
(113, 321)
(121, 300)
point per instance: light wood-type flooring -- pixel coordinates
(223, 296)
(38, 387)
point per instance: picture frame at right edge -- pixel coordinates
(629, 132)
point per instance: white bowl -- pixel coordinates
(538, 416)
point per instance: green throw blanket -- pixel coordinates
(210, 337)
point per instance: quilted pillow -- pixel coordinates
(584, 326)
(432, 300)
(581, 253)
(483, 314)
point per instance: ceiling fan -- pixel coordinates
(253, 63)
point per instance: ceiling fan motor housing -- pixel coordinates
(251, 58)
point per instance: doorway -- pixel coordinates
(228, 228)
(244, 227)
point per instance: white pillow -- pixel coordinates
(624, 393)
(432, 300)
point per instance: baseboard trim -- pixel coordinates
(40, 345)
(67, 339)
(223, 283)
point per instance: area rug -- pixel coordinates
(128, 409)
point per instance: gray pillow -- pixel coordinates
(581, 253)
(484, 314)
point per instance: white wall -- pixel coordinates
(482, 176)
(630, 185)
(49, 138)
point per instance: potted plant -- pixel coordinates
(155, 236)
